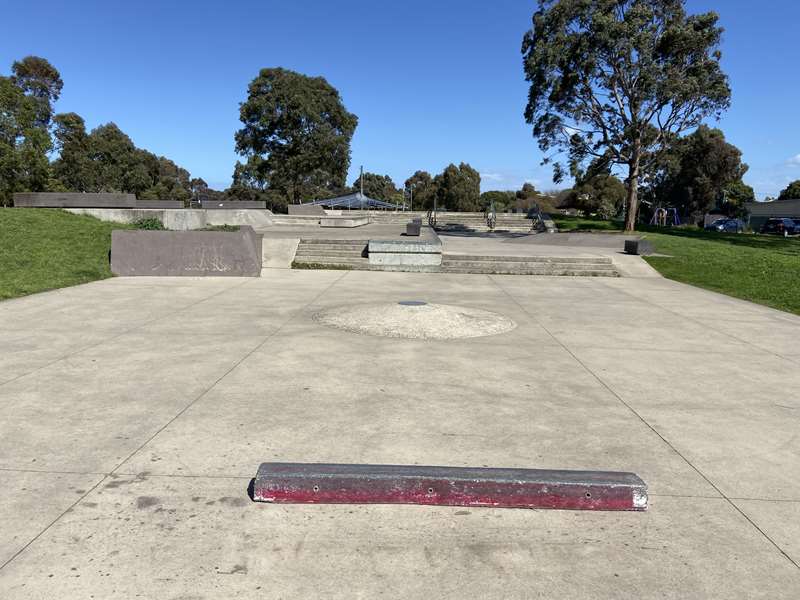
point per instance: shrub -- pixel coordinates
(150, 223)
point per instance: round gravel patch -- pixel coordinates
(415, 320)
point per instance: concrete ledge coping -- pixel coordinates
(448, 486)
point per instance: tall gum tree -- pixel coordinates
(295, 135)
(619, 81)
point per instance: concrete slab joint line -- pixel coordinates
(448, 486)
(174, 418)
(650, 426)
(120, 334)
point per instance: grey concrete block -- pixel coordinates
(405, 246)
(413, 228)
(73, 200)
(405, 255)
(186, 253)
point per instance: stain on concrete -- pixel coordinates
(146, 501)
(232, 501)
(236, 570)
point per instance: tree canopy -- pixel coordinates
(597, 191)
(296, 135)
(791, 191)
(379, 187)
(702, 171)
(25, 109)
(104, 160)
(458, 188)
(107, 160)
(618, 80)
(421, 190)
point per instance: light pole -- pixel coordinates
(411, 196)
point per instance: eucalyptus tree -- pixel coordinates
(619, 81)
(295, 135)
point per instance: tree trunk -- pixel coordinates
(632, 195)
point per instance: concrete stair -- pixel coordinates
(476, 222)
(349, 254)
(529, 265)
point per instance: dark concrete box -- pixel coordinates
(234, 204)
(638, 247)
(73, 200)
(413, 228)
(186, 253)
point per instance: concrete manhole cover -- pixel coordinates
(415, 320)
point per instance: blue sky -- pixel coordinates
(432, 82)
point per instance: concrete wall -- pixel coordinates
(186, 253)
(234, 204)
(232, 216)
(304, 209)
(176, 219)
(183, 219)
(73, 200)
(159, 203)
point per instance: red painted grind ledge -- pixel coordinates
(309, 483)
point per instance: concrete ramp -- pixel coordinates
(278, 253)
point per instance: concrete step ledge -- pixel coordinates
(535, 272)
(329, 242)
(331, 260)
(459, 258)
(314, 252)
(486, 267)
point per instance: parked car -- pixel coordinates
(726, 226)
(784, 227)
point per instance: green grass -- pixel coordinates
(585, 224)
(320, 266)
(229, 228)
(43, 249)
(760, 268)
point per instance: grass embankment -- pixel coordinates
(760, 268)
(43, 249)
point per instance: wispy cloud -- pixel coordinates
(794, 161)
(492, 176)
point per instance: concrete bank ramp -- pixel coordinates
(278, 253)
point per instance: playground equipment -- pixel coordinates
(666, 217)
(491, 216)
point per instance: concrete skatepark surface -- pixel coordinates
(135, 411)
